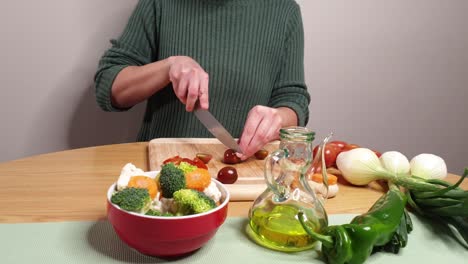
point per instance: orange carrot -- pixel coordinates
(317, 177)
(144, 182)
(198, 179)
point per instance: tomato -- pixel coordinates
(331, 151)
(316, 168)
(204, 157)
(230, 157)
(199, 163)
(340, 144)
(261, 154)
(227, 175)
(176, 160)
(350, 147)
(195, 162)
(377, 153)
(314, 152)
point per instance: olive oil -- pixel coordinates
(273, 217)
(277, 227)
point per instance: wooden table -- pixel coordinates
(71, 185)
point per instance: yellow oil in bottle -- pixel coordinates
(277, 227)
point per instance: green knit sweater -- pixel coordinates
(252, 51)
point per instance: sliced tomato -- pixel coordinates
(195, 162)
(199, 163)
(176, 160)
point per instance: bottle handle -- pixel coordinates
(319, 161)
(273, 171)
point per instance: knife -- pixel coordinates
(213, 125)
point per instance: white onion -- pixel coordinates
(428, 166)
(359, 166)
(395, 162)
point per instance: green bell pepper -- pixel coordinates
(383, 228)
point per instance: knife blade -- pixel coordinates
(217, 129)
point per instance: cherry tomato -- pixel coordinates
(227, 175)
(204, 157)
(331, 151)
(261, 154)
(350, 147)
(230, 157)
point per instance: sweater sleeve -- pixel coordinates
(135, 47)
(290, 89)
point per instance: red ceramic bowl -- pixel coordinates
(167, 236)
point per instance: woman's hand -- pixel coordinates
(190, 82)
(262, 126)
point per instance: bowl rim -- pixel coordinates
(220, 186)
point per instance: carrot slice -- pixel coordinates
(317, 177)
(198, 179)
(144, 182)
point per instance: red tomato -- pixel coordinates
(227, 175)
(331, 151)
(195, 162)
(199, 163)
(314, 152)
(261, 154)
(338, 143)
(350, 147)
(204, 157)
(230, 157)
(316, 168)
(176, 160)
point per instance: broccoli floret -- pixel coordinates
(132, 199)
(171, 179)
(153, 212)
(191, 201)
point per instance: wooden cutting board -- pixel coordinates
(250, 183)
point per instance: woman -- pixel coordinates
(242, 59)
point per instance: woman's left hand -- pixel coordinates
(262, 126)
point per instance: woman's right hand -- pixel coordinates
(189, 81)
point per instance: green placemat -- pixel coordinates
(96, 242)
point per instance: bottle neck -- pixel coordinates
(296, 135)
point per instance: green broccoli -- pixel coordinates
(171, 179)
(191, 201)
(132, 199)
(153, 212)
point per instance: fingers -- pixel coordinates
(192, 91)
(262, 126)
(182, 87)
(190, 82)
(203, 98)
(250, 127)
